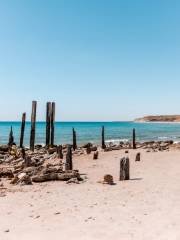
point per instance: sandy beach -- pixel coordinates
(144, 208)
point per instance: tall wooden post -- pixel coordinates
(74, 140)
(11, 137)
(23, 123)
(69, 164)
(124, 169)
(103, 139)
(48, 123)
(134, 138)
(33, 125)
(52, 122)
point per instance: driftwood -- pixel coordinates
(22, 130)
(56, 177)
(124, 169)
(33, 125)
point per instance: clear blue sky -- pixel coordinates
(97, 59)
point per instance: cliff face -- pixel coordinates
(161, 118)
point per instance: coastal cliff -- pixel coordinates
(160, 118)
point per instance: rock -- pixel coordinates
(56, 176)
(108, 179)
(93, 149)
(14, 180)
(4, 148)
(88, 145)
(24, 179)
(73, 180)
(52, 150)
(108, 149)
(6, 173)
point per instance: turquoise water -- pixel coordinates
(91, 131)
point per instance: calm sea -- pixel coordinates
(91, 131)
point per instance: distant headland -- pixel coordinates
(159, 118)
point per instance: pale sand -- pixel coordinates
(145, 208)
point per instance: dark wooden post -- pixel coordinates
(69, 164)
(48, 123)
(33, 125)
(23, 123)
(11, 137)
(138, 157)
(134, 138)
(74, 140)
(23, 153)
(95, 156)
(124, 169)
(59, 152)
(103, 139)
(52, 123)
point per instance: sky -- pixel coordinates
(99, 60)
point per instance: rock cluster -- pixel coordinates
(24, 166)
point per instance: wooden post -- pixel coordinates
(48, 123)
(23, 153)
(23, 123)
(134, 138)
(138, 157)
(59, 152)
(33, 125)
(95, 156)
(124, 169)
(74, 140)
(52, 123)
(103, 139)
(69, 165)
(11, 137)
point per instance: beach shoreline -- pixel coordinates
(92, 210)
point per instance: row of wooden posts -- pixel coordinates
(50, 120)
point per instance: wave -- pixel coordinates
(115, 141)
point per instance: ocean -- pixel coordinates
(91, 132)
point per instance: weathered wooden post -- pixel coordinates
(52, 122)
(33, 125)
(48, 123)
(138, 157)
(124, 169)
(88, 148)
(23, 153)
(69, 164)
(103, 139)
(134, 138)
(60, 152)
(74, 140)
(11, 138)
(23, 123)
(95, 156)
